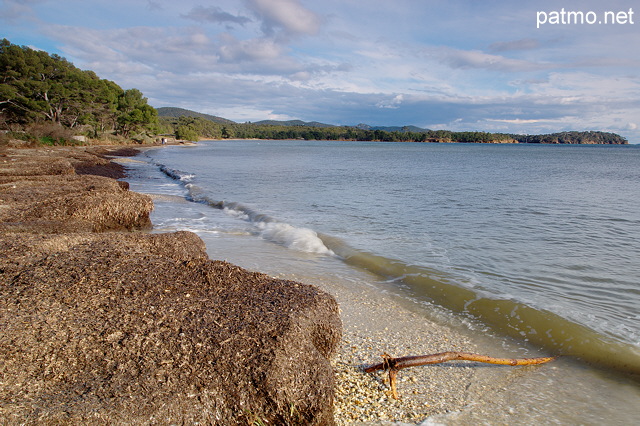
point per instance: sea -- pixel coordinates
(538, 245)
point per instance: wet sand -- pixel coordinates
(375, 322)
(563, 391)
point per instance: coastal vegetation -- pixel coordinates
(45, 99)
(186, 124)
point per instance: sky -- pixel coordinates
(491, 65)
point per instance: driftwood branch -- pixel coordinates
(396, 364)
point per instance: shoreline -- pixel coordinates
(374, 323)
(377, 322)
(381, 326)
(493, 394)
(101, 324)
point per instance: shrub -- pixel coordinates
(48, 133)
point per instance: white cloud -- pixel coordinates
(261, 49)
(215, 14)
(13, 10)
(515, 121)
(348, 61)
(472, 59)
(588, 86)
(288, 15)
(392, 104)
(522, 44)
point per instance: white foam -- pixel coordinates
(302, 239)
(237, 214)
(177, 174)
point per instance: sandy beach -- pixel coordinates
(376, 322)
(379, 314)
(449, 393)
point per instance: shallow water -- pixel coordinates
(534, 242)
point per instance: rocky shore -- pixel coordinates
(102, 324)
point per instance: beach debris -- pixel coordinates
(396, 364)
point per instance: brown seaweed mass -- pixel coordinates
(137, 328)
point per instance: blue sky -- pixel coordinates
(458, 65)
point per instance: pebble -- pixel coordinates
(374, 324)
(364, 398)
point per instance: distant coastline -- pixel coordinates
(191, 125)
(72, 106)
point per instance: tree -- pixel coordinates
(39, 86)
(133, 112)
(36, 86)
(226, 132)
(187, 129)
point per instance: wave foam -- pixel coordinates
(297, 238)
(177, 174)
(302, 239)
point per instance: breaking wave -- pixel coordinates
(176, 174)
(536, 325)
(297, 238)
(520, 320)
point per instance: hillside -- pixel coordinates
(363, 126)
(292, 123)
(173, 112)
(191, 125)
(300, 123)
(579, 138)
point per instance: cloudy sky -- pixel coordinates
(441, 64)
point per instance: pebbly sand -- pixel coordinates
(375, 322)
(449, 393)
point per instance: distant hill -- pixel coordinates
(181, 112)
(300, 123)
(391, 128)
(580, 138)
(298, 129)
(292, 123)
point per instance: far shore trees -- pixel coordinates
(191, 125)
(51, 100)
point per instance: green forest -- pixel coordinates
(193, 126)
(47, 96)
(46, 99)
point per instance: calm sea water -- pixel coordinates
(540, 243)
